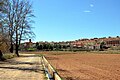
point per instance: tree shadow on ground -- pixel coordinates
(28, 55)
(21, 68)
(14, 64)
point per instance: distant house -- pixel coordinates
(95, 42)
(112, 42)
(28, 44)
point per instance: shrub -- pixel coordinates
(31, 49)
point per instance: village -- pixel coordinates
(104, 43)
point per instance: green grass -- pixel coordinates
(40, 55)
(106, 52)
(114, 51)
(31, 49)
(9, 56)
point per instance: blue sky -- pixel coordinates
(65, 20)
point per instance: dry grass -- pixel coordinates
(9, 55)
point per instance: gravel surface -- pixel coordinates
(27, 67)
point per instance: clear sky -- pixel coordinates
(65, 20)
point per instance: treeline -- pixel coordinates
(59, 47)
(51, 47)
(66, 47)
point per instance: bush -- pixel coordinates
(31, 49)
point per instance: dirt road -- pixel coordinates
(27, 67)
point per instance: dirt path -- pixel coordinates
(27, 67)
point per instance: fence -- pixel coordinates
(50, 72)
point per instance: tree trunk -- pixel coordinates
(11, 48)
(11, 45)
(1, 56)
(16, 51)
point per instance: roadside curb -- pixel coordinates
(50, 72)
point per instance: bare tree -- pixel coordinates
(19, 21)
